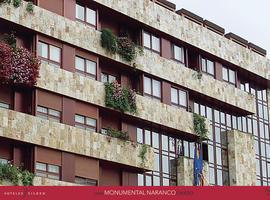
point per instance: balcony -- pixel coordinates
(78, 34)
(34, 130)
(186, 30)
(79, 87)
(42, 181)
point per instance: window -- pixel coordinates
(208, 67)
(47, 113)
(4, 105)
(106, 78)
(151, 42)
(49, 53)
(179, 97)
(228, 75)
(86, 14)
(152, 87)
(85, 181)
(86, 67)
(3, 161)
(178, 53)
(48, 170)
(86, 123)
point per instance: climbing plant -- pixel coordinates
(200, 127)
(117, 134)
(143, 152)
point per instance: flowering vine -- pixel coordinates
(123, 99)
(18, 66)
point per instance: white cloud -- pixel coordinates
(246, 18)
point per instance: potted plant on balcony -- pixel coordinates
(18, 66)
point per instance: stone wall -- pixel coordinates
(31, 129)
(91, 91)
(241, 157)
(185, 176)
(41, 181)
(160, 18)
(79, 34)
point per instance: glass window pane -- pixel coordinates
(174, 96)
(4, 105)
(112, 78)
(209, 113)
(216, 116)
(147, 85)
(79, 63)
(140, 180)
(211, 154)
(155, 140)
(231, 76)
(79, 12)
(53, 169)
(104, 78)
(165, 164)
(147, 137)
(156, 181)
(42, 109)
(148, 181)
(203, 65)
(91, 122)
(219, 177)
(55, 177)
(164, 141)
(155, 43)
(54, 113)
(139, 135)
(55, 54)
(183, 98)
(218, 156)
(41, 166)
(156, 88)
(225, 74)
(42, 49)
(79, 119)
(212, 175)
(178, 53)
(210, 67)
(91, 67)
(91, 16)
(146, 40)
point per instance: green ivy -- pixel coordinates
(143, 152)
(200, 127)
(122, 45)
(10, 39)
(117, 134)
(108, 41)
(17, 3)
(30, 7)
(122, 99)
(5, 1)
(15, 175)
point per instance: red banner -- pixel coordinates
(136, 193)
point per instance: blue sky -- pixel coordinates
(246, 18)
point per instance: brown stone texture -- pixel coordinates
(185, 168)
(91, 91)
(241, 156)
(78, 34)
(31, 129)
(42, 181)
(186, 30)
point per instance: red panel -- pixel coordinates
(68, 111)
(69, 55)
(166, 50)
(52, 5)
(68, 167)
(69, 9)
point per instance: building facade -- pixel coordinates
(59, 128)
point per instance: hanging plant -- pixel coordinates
(30, 7)
(17, 3)
(142, 153)
(10, 39)
(122, 45)
(200, 127)
(15, 175)
(18, 66)
(108, 41)
(122, 99)
(117, 134)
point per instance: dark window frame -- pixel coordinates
(49, 53)
(151, 42)
(85, 73)
(47, 172)
(178, 97)
(85, 125)
(85, 15)
(151, 86)
(206, 65)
